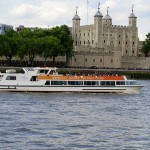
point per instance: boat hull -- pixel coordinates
(82, 89)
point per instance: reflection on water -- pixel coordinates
(74, 121)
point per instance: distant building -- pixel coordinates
(20, 28)
(4, 28)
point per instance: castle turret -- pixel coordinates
(107, 19)
(132, 19)
(98, 25)
(75, 24)
(133, 34)
(76, 19)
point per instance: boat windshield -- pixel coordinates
(43, 71)
(131, 83)
(1, 76)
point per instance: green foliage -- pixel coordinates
(46, 43)
(8, 45)
(146, 45)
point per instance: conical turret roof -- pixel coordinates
(98, 13)
(107, 17)
(76, 17)
(132, 15)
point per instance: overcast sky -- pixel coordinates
(44, 13)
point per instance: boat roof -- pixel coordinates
(34, 70)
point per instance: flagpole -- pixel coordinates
(87, 12)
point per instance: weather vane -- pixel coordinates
(76, 9)
(107, 10)
(132, 8)
(98, 6)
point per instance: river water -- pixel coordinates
(75, 121)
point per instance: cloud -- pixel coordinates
(57, 12)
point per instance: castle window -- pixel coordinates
(133, 43)
(92, 41)
(75, 59)
(119, 42)
(76, 42)
(119, 35)
(100, 60)
(126, 43)
(126, 36)
(80, 42)
(104, 41)
(93, 60)
(84, 34)
(84, 42)
(126, 51)
(111, 60)
(133, 52)
(85, 59)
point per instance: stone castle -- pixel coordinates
(103, 44)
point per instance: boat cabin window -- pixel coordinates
(120, 83)
(52, 72)
(11, 78)
(58, 82)
(33, 78)
(75, 82)
(43, 71)
(107, 83)
(91, 83)
(47, 83)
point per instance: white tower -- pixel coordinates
(98, 26)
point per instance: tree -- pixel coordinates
(9, 45)
(48, 43)
(146, 45)
(21, 53)
(64, 35)
(30, 46)
(50, 48)
(67, 42)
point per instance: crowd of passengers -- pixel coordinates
(87, 74)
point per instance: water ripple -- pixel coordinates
(75, 121)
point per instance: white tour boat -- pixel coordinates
(47, 79)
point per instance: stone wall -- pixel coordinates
(98, 59)
(136, 62)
